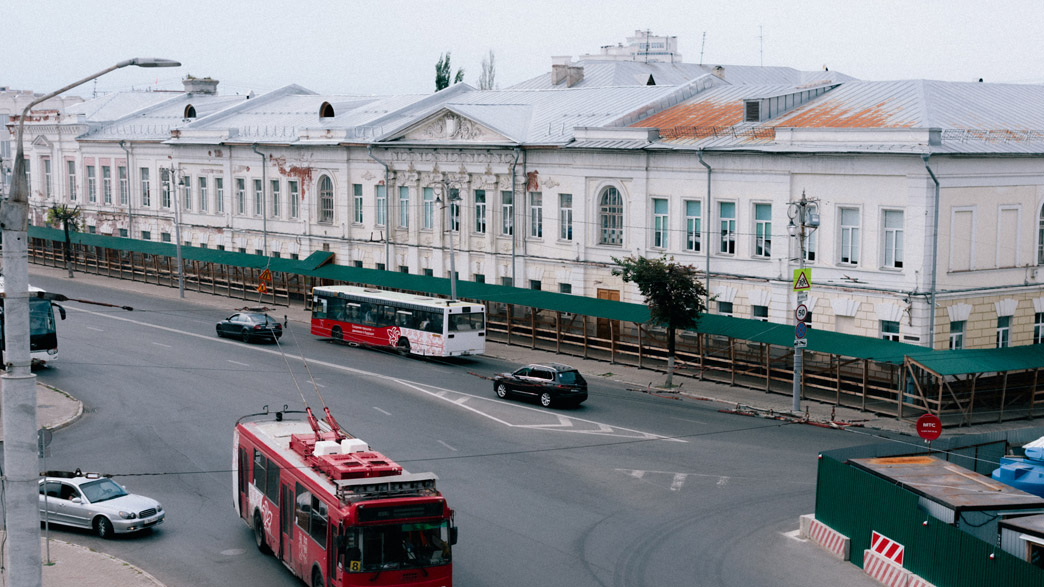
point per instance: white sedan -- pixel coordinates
(89, 500)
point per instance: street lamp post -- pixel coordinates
(805, 213)
(174, 172)
(18, 384)
(453, 199)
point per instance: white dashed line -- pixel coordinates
(237, 363)
(446, 445)
(162, 345)
(382, 411)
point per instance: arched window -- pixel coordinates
(1040, 238)
(610, 217)
(326, 199)
(326, 110)
(190, 111)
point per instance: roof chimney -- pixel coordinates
(205, 85)
(574, 75)
(559, 67)
(719, 71)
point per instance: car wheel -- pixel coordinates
(103, 527)
(502, 390)
(545, 399)
(317, 578)
(219, 333)
(336, 333)
(403, 346)
(259, 534)
(245, 335)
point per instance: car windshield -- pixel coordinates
(102, 490)
(397, 546)
(570, 378)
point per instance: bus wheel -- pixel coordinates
(259, 534)
(403, 346)
(336, 333)
(317, 578)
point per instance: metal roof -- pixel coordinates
(965, 361)
(635, 73)
(948, 484)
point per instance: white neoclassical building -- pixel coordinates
(925, 199)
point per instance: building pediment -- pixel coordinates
(449, 126)
(41, 142)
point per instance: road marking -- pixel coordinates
(95, 329)
(446, 445)
(382, 411)
(237, 363)
(161, 344)
(451, 396)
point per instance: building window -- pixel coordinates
(565, 217)
(146, 235)
(404, 207)
(810, 246)
(478, 277)
(106, 185)
(760, 313)
(957, 334)
(123, 232)
(124, 186)
(240, 196)
(381, 196)
(566, 288)
(294, 190)
(357, 264)
(890, 330)
(1038, 328)
(70, 167)
(507, 281)
(404, 268)
(219, 194)
(380, 267)
(47, 176)
(326, 200)
(893, 238)
(428, 218)
(727, 217)
(659, 223)
(146, 196)
(849, 236)
(274, 212)
(507, 213)
(610, 217)
(535, 284)
(1003, 331)
(480, 211)
(186, 192)
(454, 206)
(763, 230)
(357, 203)
(259, 198)
(1040, 238)
(203, 204)
(92, 229)
(725, 308)
(429, 273)
(692, 226)
(92, 185)
(275, 254)
(536, 214)
(165, 187)
(165, 237)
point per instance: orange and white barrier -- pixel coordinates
(825, 536)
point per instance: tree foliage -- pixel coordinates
(672, 291)
(488, 79)
(442, 73)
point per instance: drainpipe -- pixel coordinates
(387, 215)
(130, 198)
(522, 211)
(514, 214)
(706, 215)
(264, 211)
(935, 256)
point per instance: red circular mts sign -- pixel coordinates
(929, 427)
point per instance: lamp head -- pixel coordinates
(149, 62)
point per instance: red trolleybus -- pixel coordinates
(335, 512)
(411, 323)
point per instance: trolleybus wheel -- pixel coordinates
(336, 334)
(502, 391)
(259, 533)
(545, 399)
(403, 346)
(317, 578)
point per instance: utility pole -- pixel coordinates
(453, 200)
(18, 384)
(174, 187)
(804, 219)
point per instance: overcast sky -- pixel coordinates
(391, 46)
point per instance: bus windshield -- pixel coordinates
(397, 546)
(467, 321)
(41, 317)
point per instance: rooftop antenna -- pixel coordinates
(703, 43)
(761, 42)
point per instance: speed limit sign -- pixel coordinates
(801, 312)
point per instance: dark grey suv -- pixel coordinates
(550, 383)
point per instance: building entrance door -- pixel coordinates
(604, 330)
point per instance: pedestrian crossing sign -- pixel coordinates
(803, 279)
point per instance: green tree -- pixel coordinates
(442, 73)
(674, 295)
(69, 219)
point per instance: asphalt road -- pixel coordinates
(627, 490)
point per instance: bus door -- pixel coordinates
(286, 522)
(241, 484)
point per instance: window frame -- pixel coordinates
(146, 193)
(957, 329)
(611, 210)
(762, 231)
(380, 196)
(887, 332)
(660, 223)
(565, 217)
(507, 213)
(325, 203)
(293, 191)
(404, 206)
(124, 182)
(428, 209)
(849, 236)
(892, 248)
(219, 194)
(259, 197)
(92, 185)
(204, 205)
(357, 203)
(241, 196)
(107, 184)
(727, 228)
(1003, 338)
(536, 214)
(480, 211)
(693, 225)
(70, 170)
(274, 185)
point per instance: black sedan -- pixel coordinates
(551, 383)
(250, 326)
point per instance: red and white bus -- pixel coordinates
(335, 512)
(418, 324)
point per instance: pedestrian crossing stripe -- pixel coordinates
(803, 279)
